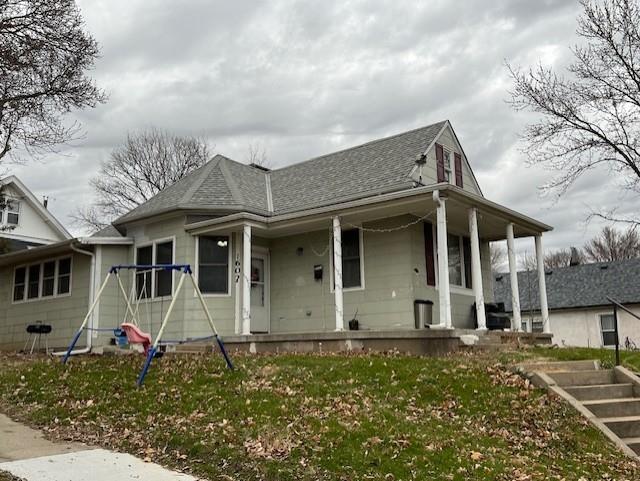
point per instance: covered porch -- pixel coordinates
(369, 260)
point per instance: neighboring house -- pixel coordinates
(25, 222)
(363, 232)
(579, 312)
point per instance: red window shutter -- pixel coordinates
(428, 254)
(458, 167)
(440, 163)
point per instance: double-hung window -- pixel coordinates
(13, 212)
(43, 280)
(351, 259)
(161, 284)
(459, 253)
(447, 165)
(608, 329)
(213, 264)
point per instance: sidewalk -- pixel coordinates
(25, 453)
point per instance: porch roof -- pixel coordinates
(418, 202)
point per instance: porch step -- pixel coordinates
(633, 443)
(606, 408)
(624, 426)
(601, 391)
(583, 378)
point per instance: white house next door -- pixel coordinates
(260, 321)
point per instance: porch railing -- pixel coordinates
(617, 305)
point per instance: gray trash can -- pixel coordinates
(423, 313)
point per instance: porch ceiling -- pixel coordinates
(492, 218)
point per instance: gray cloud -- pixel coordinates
(306, 78)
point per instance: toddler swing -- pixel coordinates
(132, 330)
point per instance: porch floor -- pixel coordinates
(419, 341)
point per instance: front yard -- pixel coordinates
(286, 417)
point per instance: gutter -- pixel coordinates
(92, 287)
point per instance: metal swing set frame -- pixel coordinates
(186, 271)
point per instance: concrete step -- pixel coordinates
(601, 391)
(633, 443)
(607, 408)
(583, 378)
(624, 426)
(551, 366)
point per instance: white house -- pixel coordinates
(25, 222)
(580, 313)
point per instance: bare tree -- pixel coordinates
(148, 162)
(498, 256)
(591, 116)
(558, 258)
(44, 56)
(257, 155)
(527, 261)
(613, 245)
(552, 260)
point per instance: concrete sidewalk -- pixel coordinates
(25, 453)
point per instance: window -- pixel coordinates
(46, 279)
(154, 282)
(64, 276)
(351, 268)
(447, 165)
(19, 282)
(213, 264)
(164, 278)
(608, 328)
(13, 212)
(144, 256)
(459, 253)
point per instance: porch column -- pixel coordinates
(444, 294)
(513, 273)
(542, 285)
(476, 269)
(337, 273)
(246, 280)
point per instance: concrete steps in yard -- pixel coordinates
(609, 398)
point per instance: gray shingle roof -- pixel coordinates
(573, 287)
(377, 166)
(108, 231)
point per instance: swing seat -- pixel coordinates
(136, 336)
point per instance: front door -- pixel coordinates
(260, 293)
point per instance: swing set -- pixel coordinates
(130, 325)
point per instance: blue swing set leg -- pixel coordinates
(224, 352)
(71, 346)
(147, 363)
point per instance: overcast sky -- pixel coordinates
(304, 78)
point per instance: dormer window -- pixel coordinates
(447, 166)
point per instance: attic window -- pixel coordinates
(12, 211)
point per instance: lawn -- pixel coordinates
(315, 417)
(629, 359)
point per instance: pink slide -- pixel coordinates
(136, 336)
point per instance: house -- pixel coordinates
(580, 313)
(360, 233)
(25, 222)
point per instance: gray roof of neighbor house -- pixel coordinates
(107, 231)
(225, 185)
(579, 286)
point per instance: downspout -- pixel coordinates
(92, 271)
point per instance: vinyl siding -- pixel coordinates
(63, 313)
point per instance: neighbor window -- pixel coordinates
(160, 284)
(459, 253)
(447, 165)
(47, 279)
(213, 264)
(607, 326)
(351, 268)
(13, 212)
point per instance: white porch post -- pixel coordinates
(238, 282)
(513, 273)
(337, 273)
(443, 266)
(246, 280)
(542, 285)
(476, 269)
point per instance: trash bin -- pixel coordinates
(423, 313)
